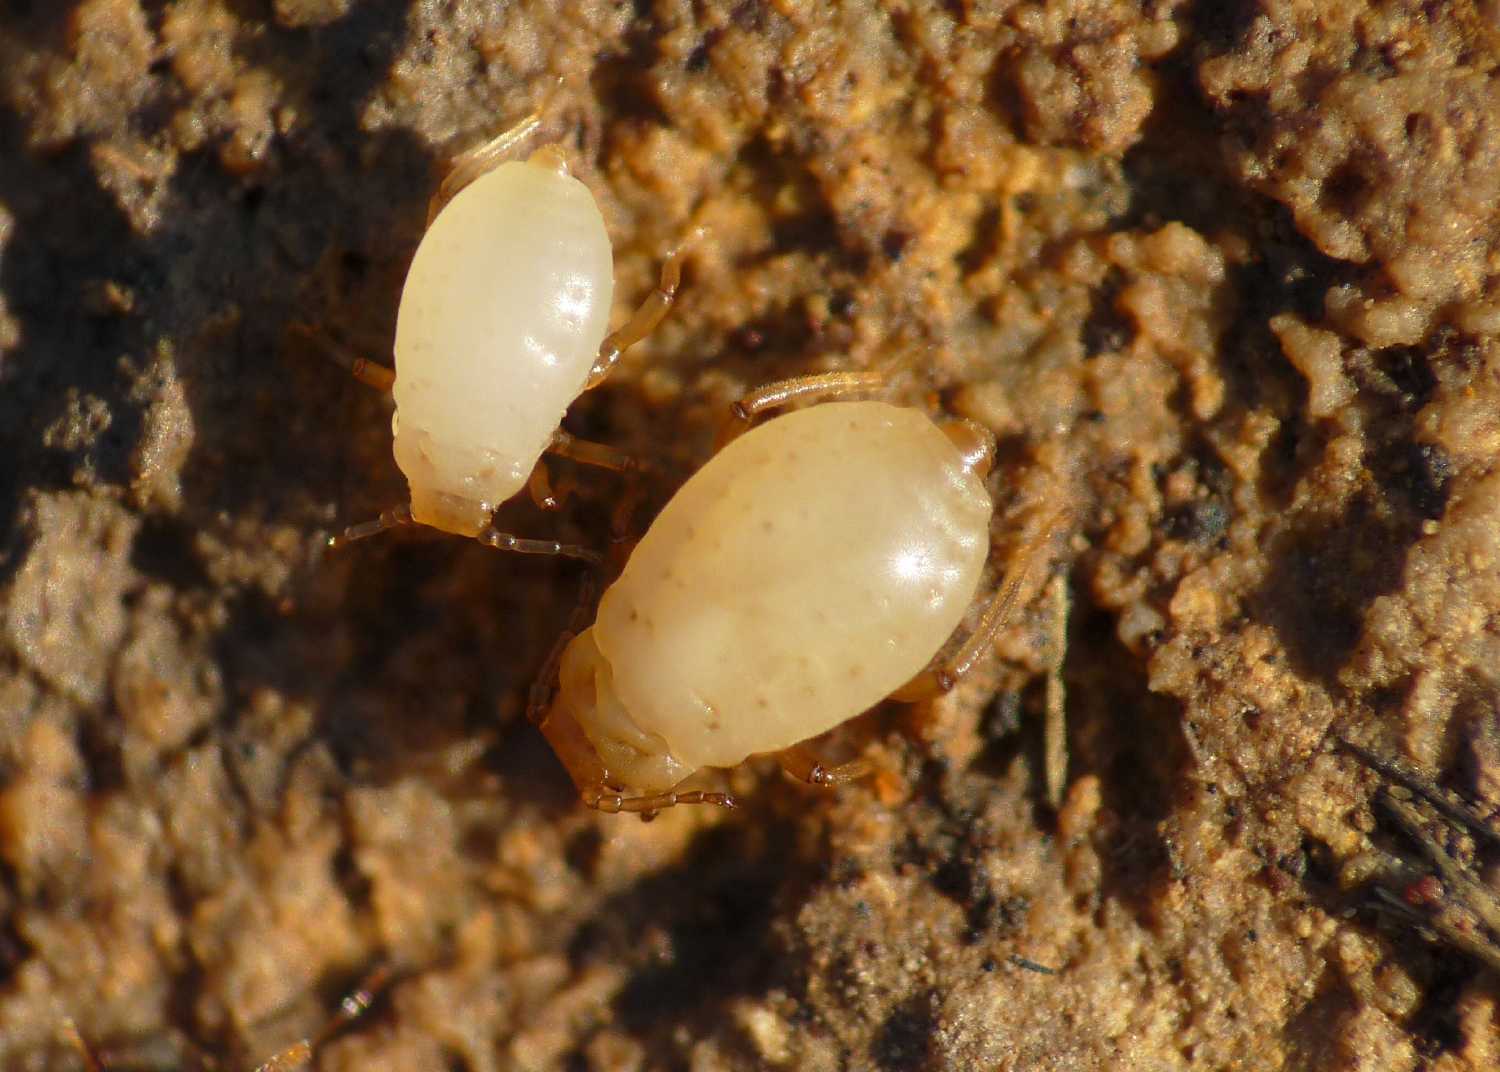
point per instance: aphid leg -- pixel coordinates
(821, 386)
(1055, 729)
(388, 519)
(605, 799)
(371, 373)
(545, 494)
(800, 762)
(622, 518)
(505, 541)
(587, 452)
(470, 165)
(939, 680)
(644, 320)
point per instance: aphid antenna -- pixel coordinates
(370, 373)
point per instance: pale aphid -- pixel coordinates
(502, 324)
(811, 569)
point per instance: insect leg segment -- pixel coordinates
(643, 321)
(586, 452)
(539, 487)
(819, 387)
(939, 680)
(801, 763)
(612, 802)
(388, 519)
(505, 541)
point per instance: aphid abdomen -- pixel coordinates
(505, 304)
(806, 572)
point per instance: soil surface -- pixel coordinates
(1224, 279)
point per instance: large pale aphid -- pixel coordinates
(501, 326)
(811, 569)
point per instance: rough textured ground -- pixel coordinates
(1224, 276)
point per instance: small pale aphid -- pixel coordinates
(811, 569)
(501, 326)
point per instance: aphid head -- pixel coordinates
(587, 716)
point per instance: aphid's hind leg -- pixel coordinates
(644, 320)
(802, 764)
(371, 373)
(388, 519)
(821, 386)
(470, 165)
(939, 680)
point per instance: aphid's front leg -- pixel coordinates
(643, 322)
(468, 166)
(821, 387)
(802, 764)
(939, 680)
